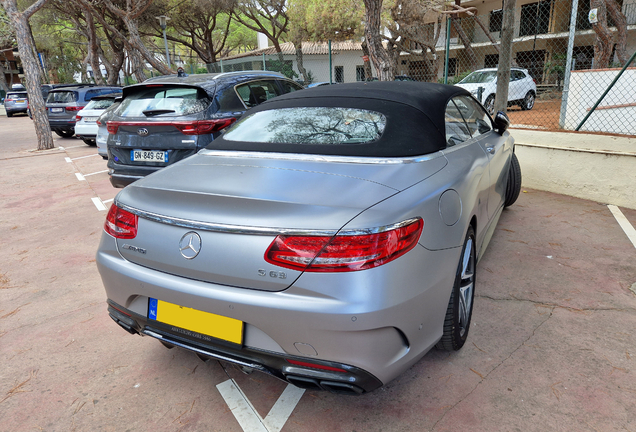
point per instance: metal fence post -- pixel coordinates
(221, 61)
(568, 65)
(330, 67)
(264, 64)
(447, 55)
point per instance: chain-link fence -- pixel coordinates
(558, 74)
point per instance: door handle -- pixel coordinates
(490, 150)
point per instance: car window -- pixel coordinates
(61, 97)
(309, 125)
(16, 95)
(479, 77)
(90, 94)
(157, 101)
(99, 104)
(456, 130)
(289, 86)
(474, 114)
(257, 92)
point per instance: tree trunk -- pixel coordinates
(368, 73)
(377, 53)
(3, 79)
(472, 58)
(299, 61)
(621, 26)
(93, 48)
(486, 32)
(135, 41)
(32, 71)
(505, 56)
(604, 40)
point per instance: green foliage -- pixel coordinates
(286, 68)
(327, 19)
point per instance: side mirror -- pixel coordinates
(502, 122)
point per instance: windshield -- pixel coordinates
(160, 101)
(479, 77)
(310, 125)
(61, 97)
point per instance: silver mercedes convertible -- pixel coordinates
(329, 238)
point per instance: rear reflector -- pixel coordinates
(344, 253)
(315, 366)
(120, 223)
(196, 127)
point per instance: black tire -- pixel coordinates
(65, 134)
(90, 142)
(528, 101)
(490, 105)
(9, 114)
(514, 182)
(460, 306)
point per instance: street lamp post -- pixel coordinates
(162, 22)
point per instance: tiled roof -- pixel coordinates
(309, 48)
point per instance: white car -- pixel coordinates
(86, 124)
(522, 89)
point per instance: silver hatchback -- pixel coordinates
(16, 102)
(329, 237)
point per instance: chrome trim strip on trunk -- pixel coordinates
(320, 158)
(251, 230)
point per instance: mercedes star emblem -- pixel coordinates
(190, 245)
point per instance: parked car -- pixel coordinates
(63, 104)
(522, 89)
(102, 128)
(86, 120)
(16, 102)
(330, 237)
(167, 119)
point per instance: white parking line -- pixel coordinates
(109, 200)
(99, 204)
(246, 414)
(84, 157)
(68, 159)
(80, 177)
(624, 223)
(98, 172)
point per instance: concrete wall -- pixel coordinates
(595, 167)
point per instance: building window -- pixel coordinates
(452, 66)
(496, 21)
(535, 18)
(339, 72)
(491, 60)
(360, 74)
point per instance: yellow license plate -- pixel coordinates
(216, 326)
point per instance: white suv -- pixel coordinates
(522, 89)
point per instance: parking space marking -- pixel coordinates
(624, 223)
(99, 204)
(246, 415)
(84, 157)
(68, 159)
(80, 177)
(98, 172)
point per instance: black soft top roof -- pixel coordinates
(414, 111)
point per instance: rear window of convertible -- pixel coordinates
(162, 101)
(309, 125)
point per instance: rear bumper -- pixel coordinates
(350, 380)
(65, 125)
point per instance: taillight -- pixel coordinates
(343, 253)
(112, 127)
(74, 108)
(196, 127)
(98, 123)
(203, 127)
(8, 100)
(120, 223)
(78, 118)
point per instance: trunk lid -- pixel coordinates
(237, 206)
